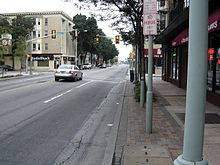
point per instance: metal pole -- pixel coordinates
(149, 107)
(76, 34)
(31, 65)
(196, 85)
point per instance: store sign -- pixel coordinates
(150, 17)
(41, 58)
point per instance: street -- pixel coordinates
(43, 122)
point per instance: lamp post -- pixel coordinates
(28, 56)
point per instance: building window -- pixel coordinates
(38, 33)
(34, 34)
(46, 33)
(46, 22)
(46, 46)
(162, 3)
(34, 47)
(38, 47)
(38, 21)
(44, 63)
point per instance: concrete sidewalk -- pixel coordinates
(135, 147)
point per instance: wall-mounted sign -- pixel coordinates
(41, 58)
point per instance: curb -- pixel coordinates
(19, 77)
(110, 149)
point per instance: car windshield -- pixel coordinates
(65, 67)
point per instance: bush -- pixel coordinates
(137, 91)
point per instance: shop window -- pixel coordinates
(210, 69)
(217, 82)
(44, 63)
(174, 65)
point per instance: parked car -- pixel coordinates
(102, 66)
(87, 66)
(108, 65)
(68, 72)
(6, 67)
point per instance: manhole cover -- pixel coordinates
(210, 118)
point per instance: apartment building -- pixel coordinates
(174, 39)
(48, 52)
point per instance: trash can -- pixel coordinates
(131, 75)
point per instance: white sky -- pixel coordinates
(13, 6)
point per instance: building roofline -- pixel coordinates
(38, 13)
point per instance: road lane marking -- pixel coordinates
(26, 86)
(53, 98)
(83, 84)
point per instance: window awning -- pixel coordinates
(213, 25)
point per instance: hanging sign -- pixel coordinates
(150, 17)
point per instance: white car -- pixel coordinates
(68, 72)
(87, 66)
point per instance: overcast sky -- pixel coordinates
(12, 6)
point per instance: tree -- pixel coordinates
(86, 40)
(127, 16)
(21, 26)
(4, 28)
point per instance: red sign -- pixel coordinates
(156, 52)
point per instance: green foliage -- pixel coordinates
(137, 91)
(86, 40)
(21, 26)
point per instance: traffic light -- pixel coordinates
(53, 34)
(97, 40)
(117, 39)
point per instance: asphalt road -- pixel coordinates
(43, 122)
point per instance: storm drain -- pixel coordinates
(210, 118)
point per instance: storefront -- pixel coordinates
(176, 59)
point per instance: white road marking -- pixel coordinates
(83, 84)
(53, 98)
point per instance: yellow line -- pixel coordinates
(27, 86)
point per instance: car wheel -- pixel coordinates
(56, 79)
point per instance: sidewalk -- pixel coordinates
(17, 74)
(135, 147)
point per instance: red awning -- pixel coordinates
(156, 52)
(213, 25)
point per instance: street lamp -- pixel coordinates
(28, 56)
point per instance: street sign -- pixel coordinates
(5, 40)
(60, 32)
(150, 17)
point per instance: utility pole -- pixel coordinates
(196, 85)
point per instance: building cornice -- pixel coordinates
(38, 14)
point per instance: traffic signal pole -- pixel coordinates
(196, 85)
